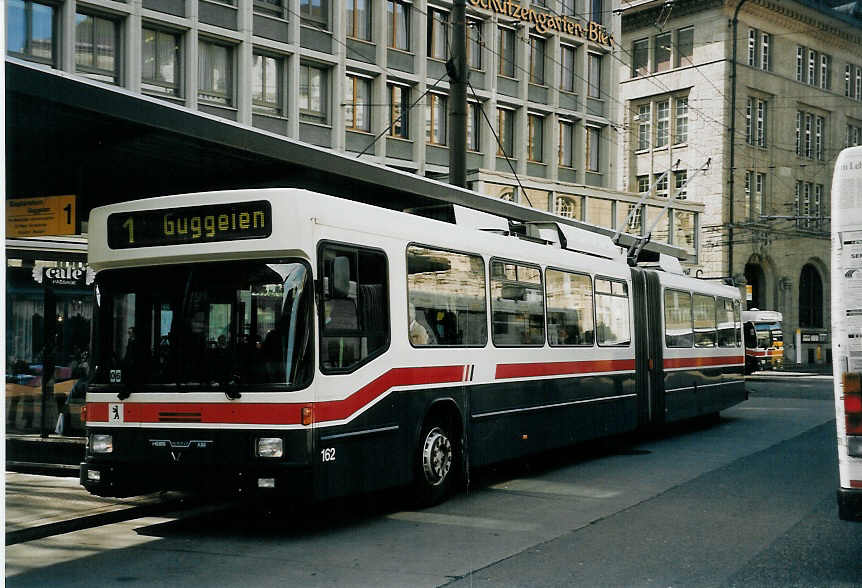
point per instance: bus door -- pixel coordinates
(642, 348)
(648, 346)
(655, 333)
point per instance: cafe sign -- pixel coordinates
(544, 23)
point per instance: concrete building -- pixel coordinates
(759, 148)
(110, 100)
(369, 77)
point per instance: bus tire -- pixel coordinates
(438, 459)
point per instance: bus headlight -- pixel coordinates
(854, 446)
(101, 443)
(270, 447)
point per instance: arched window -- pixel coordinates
(810, 298)
(755, 278)
(565, 207)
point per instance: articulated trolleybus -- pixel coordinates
(283, 341)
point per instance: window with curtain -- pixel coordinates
(594, 135)
(266, 95)
(97, 41)
(359, 19)
(160, 62)
(475, 43)
(567, 141)
(398, 23)
(399, 109)
(435, 119)
(536, 125)
(506, 51)
(313, 97)
(357, 101)
(537, 60)
(438, 33)
(594, 87)
(505, 131)
(567, 68)
(215, 73)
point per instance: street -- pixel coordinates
(745, 501)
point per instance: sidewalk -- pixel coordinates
(40, 506)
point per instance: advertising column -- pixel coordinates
(847, 326)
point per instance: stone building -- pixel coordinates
(757, 141)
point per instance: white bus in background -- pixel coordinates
(764, 340)
(847, 326)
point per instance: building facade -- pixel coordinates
(369, 77)
(363, 77)
(758, 149)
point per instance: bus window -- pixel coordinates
(517, 304)
(612, 312)
(355, 313)
(677, 319)
(726, 322)
(446, 298)
(704, 320)
(737, 317)
(570, 308)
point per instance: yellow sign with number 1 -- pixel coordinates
(37, 217)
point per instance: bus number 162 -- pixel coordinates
(327, 454)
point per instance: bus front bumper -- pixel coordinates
(123, 480)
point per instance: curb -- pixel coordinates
(44, 469)
(787, 377)
(85, 522)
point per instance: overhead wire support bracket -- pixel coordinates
(637, 247)
(642, 200)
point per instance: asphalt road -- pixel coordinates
(747, 501)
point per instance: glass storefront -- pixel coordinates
(28, 395)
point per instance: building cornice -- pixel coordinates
(648, 16)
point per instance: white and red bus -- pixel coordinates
(764, 340)
(290, 342)
(847, 326)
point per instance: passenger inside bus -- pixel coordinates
(419, 334)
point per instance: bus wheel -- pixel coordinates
(437, 463)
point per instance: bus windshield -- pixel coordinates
(205, 326)
(767, 334)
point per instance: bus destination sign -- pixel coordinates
(192, 224)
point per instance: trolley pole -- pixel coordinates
(456, 67)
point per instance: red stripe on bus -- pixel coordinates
(856, 483)
(679, 362)
(852, 404)
(560, 368)
(275, 413)
(97, 411)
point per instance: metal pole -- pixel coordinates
(732, 139)
(456, 67)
